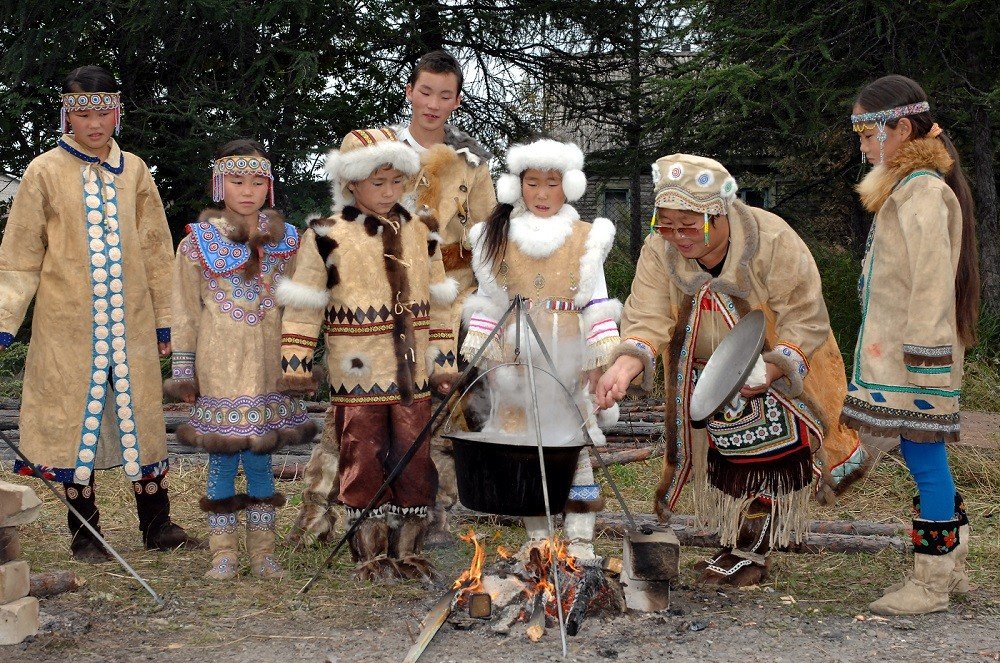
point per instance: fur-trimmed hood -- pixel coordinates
(913, 155)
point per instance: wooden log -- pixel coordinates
(628, 456)
(55, 582)
(536, 623)
(615, 523)
(586, 588)
(432, 623)
(508, 617)
(829, 536)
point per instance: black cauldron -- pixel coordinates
(505, 479)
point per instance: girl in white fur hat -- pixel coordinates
(534, 244)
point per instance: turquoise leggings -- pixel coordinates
(928, 463)
(222, 470)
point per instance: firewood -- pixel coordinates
(55, 582)
(627, 456)
(508, 617)
(431, 624)
(586, 588)
(536, 624)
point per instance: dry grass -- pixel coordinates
(829, 583)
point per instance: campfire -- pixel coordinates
(521, 588)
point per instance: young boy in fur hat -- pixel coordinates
(453, 180)
(712, 260)
(373, 274)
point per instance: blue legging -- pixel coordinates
(222, 470)
(928, 463)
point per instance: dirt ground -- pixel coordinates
(700, 625)
(812, 607)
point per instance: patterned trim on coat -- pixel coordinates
(67, 474)
(109, 370)
(250, 416)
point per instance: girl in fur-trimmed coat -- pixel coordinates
(535, 245)
(227, 355)
(919, 292)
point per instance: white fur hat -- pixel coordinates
(361, 153)
(544, 154)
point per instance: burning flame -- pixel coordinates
(539, 564)
(472, 578)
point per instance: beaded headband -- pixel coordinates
(88, 101)
(240, 165)
(878, 119)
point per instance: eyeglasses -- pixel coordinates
(684, 232)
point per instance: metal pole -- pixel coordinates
(553, 559)
(84, 521)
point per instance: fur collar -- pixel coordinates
(538, 237)
(913, 155)
(744, 239)
(233, 230)
(462, 143)
(374, 224)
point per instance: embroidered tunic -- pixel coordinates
(907, 373)
(768, 267)
(376, 295)
(88, 240)
(227, 334)
(557, 263)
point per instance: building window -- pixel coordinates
(616, 206)
(756, 197)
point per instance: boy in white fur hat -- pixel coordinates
(374, 276)
(535, 245)
(711, 260)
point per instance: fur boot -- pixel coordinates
(83, 545)
(748, 563)
(369, 549)
(152, 503)
(406, 540)
(579, 529)
(934, 558)
(260, 541)
(925, 591)
(223, 542)
(317, 517)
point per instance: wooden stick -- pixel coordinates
(536, 624)
(431, 624)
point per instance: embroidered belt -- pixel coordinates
(553, 304)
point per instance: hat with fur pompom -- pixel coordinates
(363, 152)
(544, 154)
(689, 182)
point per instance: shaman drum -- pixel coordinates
(729, 366)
